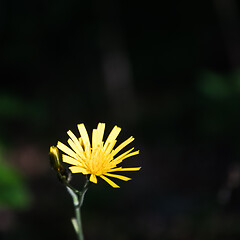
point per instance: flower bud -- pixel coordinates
(54, 158)
(56, 164)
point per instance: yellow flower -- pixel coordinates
(98, 159)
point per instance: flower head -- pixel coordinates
(97, 158)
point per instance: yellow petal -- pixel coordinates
(109, 181)
(97, 135)
(66, 149)
(94, 138)
(81, 143)
(122, 145)
(75, 140)
(121, 158)
(70, 160)
(93, 178)
(100, 129)
(110, 147)
(75, 148)
(120, 169)
(84, 134)
(117, 176)
(112, 136)
(114, 161)
(78, 170)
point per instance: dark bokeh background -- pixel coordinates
(167, 73)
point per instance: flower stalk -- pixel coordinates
(78, 197)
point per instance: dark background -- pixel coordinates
(166, 73)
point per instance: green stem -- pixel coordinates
(78, 197)
(79, 223)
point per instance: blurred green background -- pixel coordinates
(166, 73)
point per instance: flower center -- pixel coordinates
(98, 161)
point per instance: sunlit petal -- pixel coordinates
(75, 140)
(120, 159)
(66, 149)
(70, 160)
(120, 169)
(112, 136)
(117, 176)
(84, 134)
(93, 178)
(122, 145)
(75, 169)
(100, 130)
(75, 148)
(109, 181)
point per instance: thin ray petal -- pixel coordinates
(75, 140)
(84, 134)
(122, 155)
(112, 136)
(119, 160)
(70, 160)
(109, 181)
(93, 178)
(75, 148)
(120, 169)
(100, 129)
(117, 176)
(66, 149)
(94, 138)
(122, 145)
(97, 135)
(110, 147)
(75, 169)
(81, 143)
